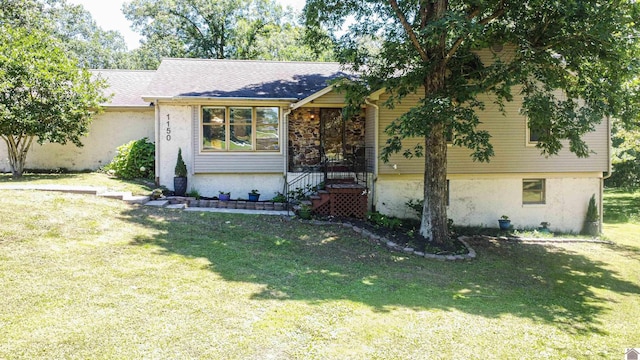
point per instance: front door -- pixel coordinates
(332, 134)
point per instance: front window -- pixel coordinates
(239, 129)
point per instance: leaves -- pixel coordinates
(43, 94)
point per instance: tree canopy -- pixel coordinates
(73, 26)
(44, 96)
(584, 50)
(218, 29)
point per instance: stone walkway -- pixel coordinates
(133, 199)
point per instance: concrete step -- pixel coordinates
(137, 199)
(158, 203)
(118, 195)
(177, 206)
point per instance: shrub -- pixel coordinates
(134, 160)
(181, 167)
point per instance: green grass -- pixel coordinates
(137, 187)
(85, 277)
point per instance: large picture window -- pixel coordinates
(239, 129)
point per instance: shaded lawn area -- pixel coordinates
(621, 206)
(84, 277)
(97, 179)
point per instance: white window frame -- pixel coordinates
(227, 129)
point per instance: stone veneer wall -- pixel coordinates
(304, 137)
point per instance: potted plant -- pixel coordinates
(591, 226)
(279, 200)
(504, 222)
(180, 179)
(254, 195)
(224, 196)
(304, 212)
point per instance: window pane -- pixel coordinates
(267, 115)
(240, 115)
(533, 191)
(240, 138)
(213, 129)
(267, 137)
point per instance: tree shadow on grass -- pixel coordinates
(297, 261)
(621, 207)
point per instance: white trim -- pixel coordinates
(312, 97)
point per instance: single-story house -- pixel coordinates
(277, 127)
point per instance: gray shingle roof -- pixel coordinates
(128, 86)
(241, 78)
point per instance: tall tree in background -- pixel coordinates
(583, 49)
(216, 29)
(78, 33)
(44, 97)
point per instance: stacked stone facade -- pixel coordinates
(305, 143)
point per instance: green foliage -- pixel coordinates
(74, 27)
(235, 29)
(279, 198)
(625, 158)
(592, 210)
(134, 160)
(43, 95)
(388, 222)
(194, 193)
(181, 167)
(416, 205)
(572, 63)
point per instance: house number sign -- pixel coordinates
(168, 128)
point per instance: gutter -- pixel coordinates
(608, 173)
(376, 141)
(216, 98)
(157, 133)
(285, 147)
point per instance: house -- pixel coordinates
(277, 127)
(127, 117)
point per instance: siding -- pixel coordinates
(229, 163)
(331, 99)
(509, 142)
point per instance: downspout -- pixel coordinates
(285, 147)
(157, 136)
(607, 175)
(376, 140)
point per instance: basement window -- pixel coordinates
(533, 191)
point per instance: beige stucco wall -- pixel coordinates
(481, 200)
(174, 135)
(238, 184)
(107, 131)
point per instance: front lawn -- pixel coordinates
(86, 277)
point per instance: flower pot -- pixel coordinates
(504, 224)
(179, 186)
(224, 197)
(254, 197)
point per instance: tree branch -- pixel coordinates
(473, 14)
(409, 30)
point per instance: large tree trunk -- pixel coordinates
(434, 210)
(434, 215)
(17, 147)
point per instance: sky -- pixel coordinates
(108, 16)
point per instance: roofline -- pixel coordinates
(312, 97)
(127, 107)
(254, 61)
(151, 98)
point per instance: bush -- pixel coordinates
(134, 160)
